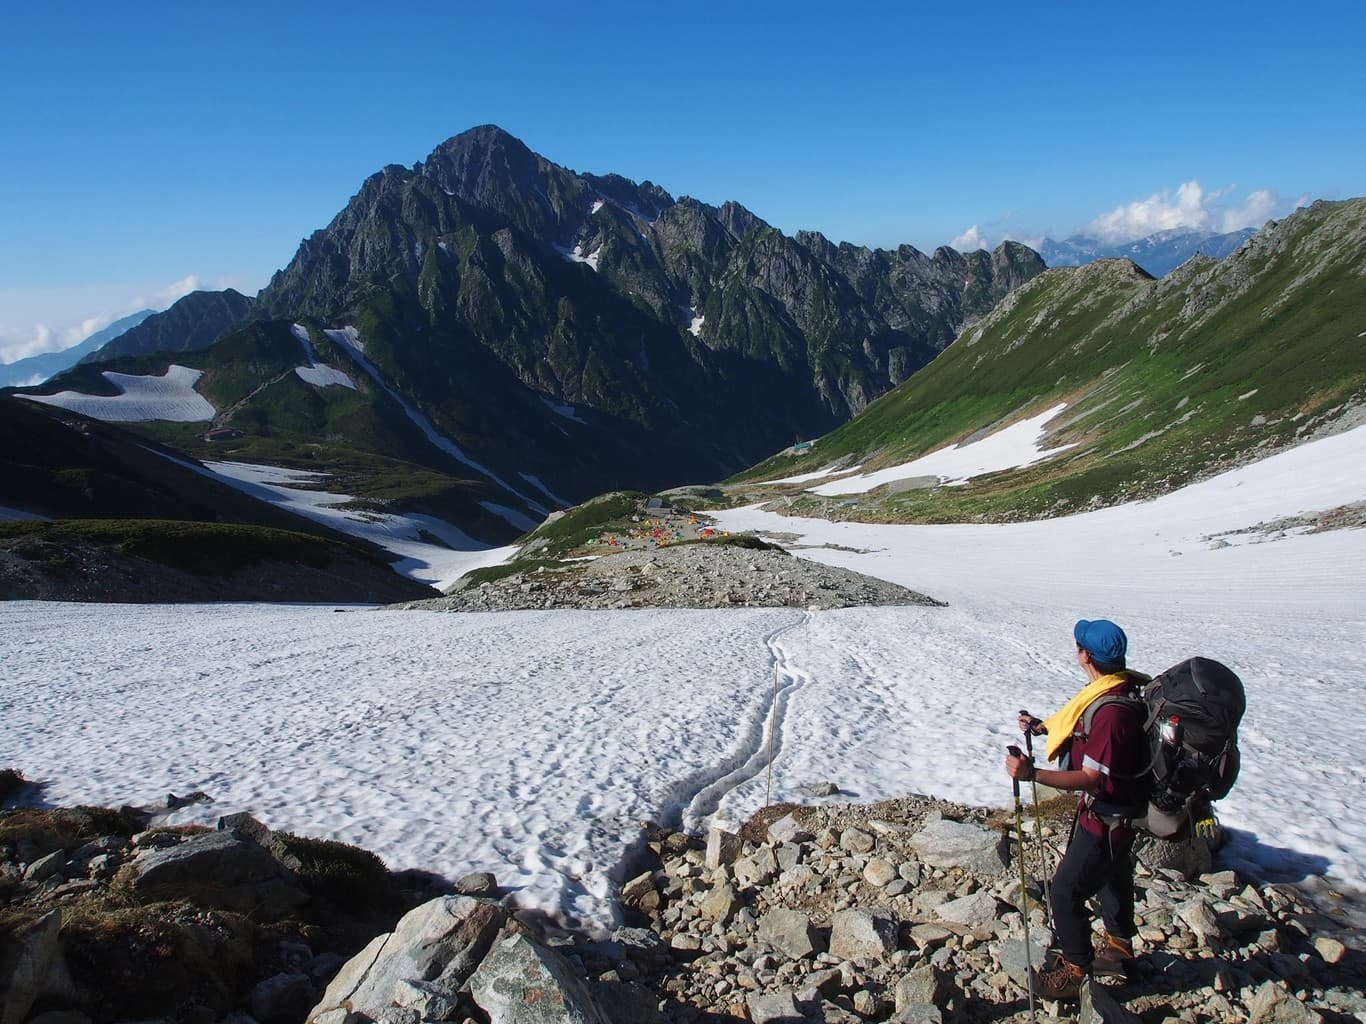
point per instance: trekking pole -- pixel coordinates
(1038, 835)
(1024, 887)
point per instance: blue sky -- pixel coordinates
(148, 148)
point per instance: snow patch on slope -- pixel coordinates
(409, 535)
(1014, 447)
(349, 337)
(562, 409)
(318, 374)
(170, 397)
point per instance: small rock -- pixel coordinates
(956, 844)
(855, 840)
(862, 935)
(720, 904)
(791, 933)
(787, 830)
(284, 997)
(722, 848)
(1098, 1006)
(774, 1007)
(479, 883)
(976, 911)
(1273, 1004)
(46, 867)
(637, 887)
(1329, 949)
(922, 985)
(879, 872)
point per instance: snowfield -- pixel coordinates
(532, 744)
(170, 396)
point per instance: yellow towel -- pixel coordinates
(1063, 722)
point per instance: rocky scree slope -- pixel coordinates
(696, 575)
(905, 911)
(910, 911)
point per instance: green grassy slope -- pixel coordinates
(1164, 381)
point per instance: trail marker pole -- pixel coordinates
(1024, 887)
(1038, 836)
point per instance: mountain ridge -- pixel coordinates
(1165, 380)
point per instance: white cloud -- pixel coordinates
(1191, 207)
(1159, 212)
(1253, 212)
(167, 296)
(21, 342)
(15, 347)
(971, 240)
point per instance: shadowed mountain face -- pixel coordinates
(495, 290)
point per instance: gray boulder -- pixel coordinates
(283, 997)
(38, 970)
(758, 869)
(862, 935)
(219, 870)
(425, 959)
(1098, 1006)
(957, 844)
(922, 985)
(787, 830)
(247, 827)
(1012, 955)
(975, 911)
(1273, 1004)
(1191, 857)
(722, 848)
(522, 982)
(479, 883)
(46, 867)
(720, 904)
(774, 1007)
(791, 933)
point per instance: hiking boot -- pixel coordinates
(1113, 955)
(1059, 979)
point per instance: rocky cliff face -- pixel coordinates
(487, 282)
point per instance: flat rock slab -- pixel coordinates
(220, 870)
(958, 844)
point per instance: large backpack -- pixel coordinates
(1208, 699)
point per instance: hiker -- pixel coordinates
(1103, 767)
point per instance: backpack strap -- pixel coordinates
(1134, 702)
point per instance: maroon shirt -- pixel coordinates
(1117, 748)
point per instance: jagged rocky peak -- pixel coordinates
(646, 200)
(481, 161)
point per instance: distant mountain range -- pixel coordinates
(1159, 253)
(36, 369)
